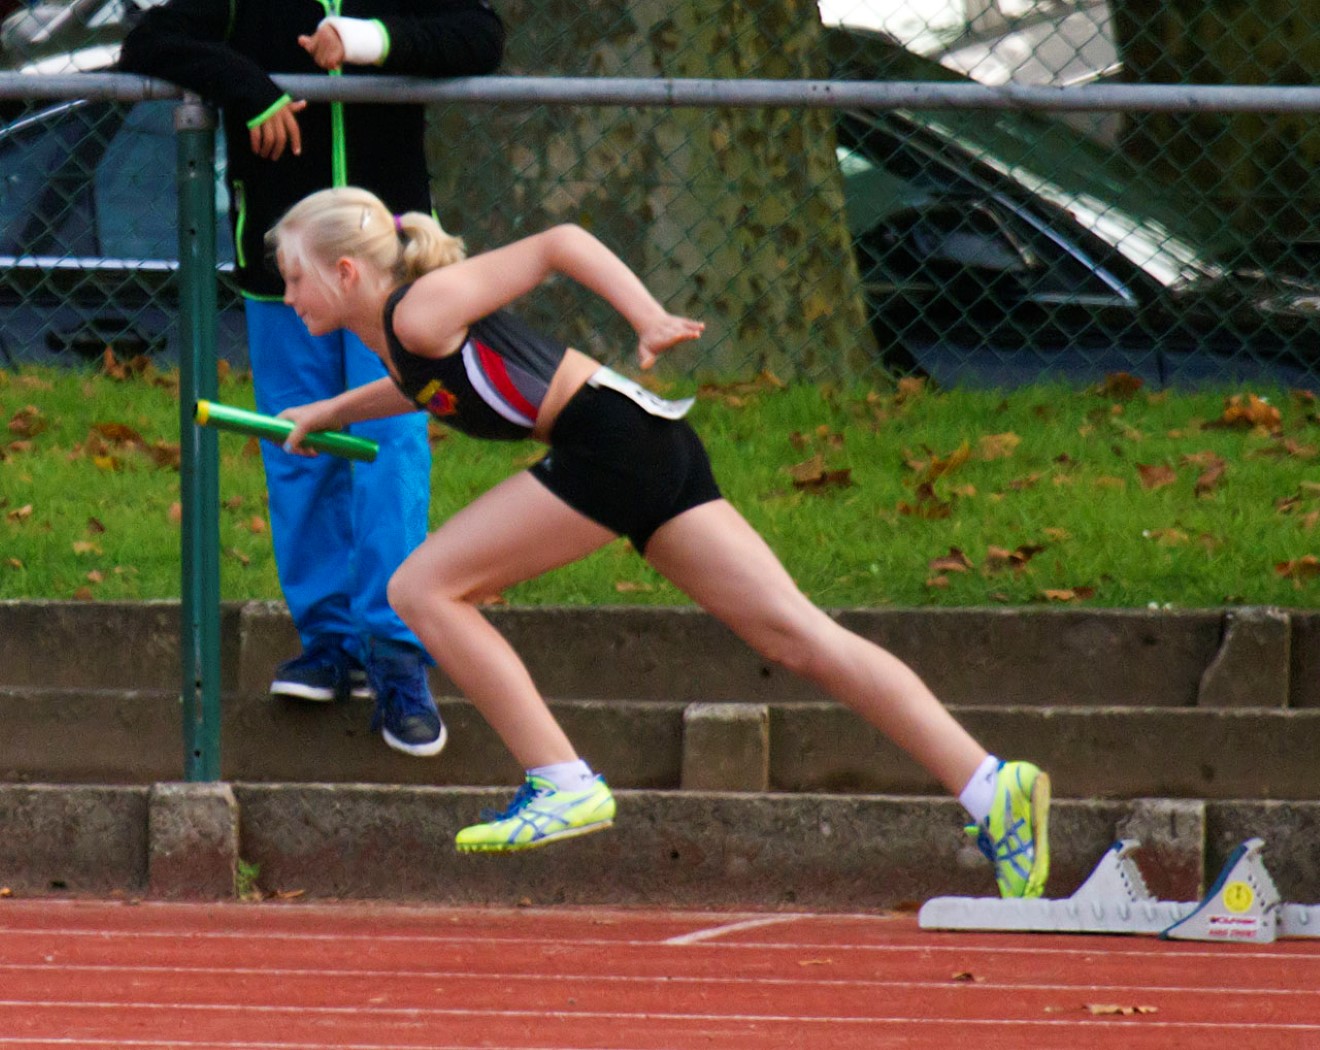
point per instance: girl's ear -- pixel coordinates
(346, 270)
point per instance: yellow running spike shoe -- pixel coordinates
(1016, 834)
(540, 814)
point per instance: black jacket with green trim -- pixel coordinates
(226, 51)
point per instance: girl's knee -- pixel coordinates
(792, 642)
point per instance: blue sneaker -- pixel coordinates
(405, 714)
(323, 672)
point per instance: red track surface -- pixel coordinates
(331, 977)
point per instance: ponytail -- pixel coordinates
(350, 221)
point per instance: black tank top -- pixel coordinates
(492, 387)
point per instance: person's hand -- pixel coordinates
(665, 331)
(325, 46)
(306, 419)
(278, 132)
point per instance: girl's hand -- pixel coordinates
(665, 331)
(307, 419)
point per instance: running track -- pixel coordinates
(297, 976)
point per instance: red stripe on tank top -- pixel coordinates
(493, 365)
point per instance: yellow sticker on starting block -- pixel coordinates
(1238, 897)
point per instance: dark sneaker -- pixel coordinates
(322, 672)
(406, 714)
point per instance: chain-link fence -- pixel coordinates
(973, 245)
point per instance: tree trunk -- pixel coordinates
(735, 216)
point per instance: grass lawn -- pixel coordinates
(1108, 497)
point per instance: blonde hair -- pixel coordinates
(330, 224)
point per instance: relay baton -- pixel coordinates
(337, 443)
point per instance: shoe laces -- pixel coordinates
(524, 797)
(318, 654)
(400, 691)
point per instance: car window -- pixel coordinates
(915, 219)
(97, 180)
(39, 157)
(139, 164)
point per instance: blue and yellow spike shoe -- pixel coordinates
(540, 814)
(1016, 834)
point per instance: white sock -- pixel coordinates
(576, 776)
(979, 793)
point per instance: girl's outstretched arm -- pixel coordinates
(375, 400)
(447, 300)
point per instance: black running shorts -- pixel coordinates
(623, 467)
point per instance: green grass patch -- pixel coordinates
(1106, 497)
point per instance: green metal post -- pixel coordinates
(199, 636)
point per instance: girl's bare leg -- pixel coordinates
(718, 559)
(514, 532)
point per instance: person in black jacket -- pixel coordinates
(339, 529)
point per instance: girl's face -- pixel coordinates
(308, 289)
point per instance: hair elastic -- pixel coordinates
(398, 224)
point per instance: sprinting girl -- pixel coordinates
(621, 462)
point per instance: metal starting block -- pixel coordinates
(1242, 906)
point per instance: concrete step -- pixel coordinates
(135, 737)
(1238, 657)
(672, 849)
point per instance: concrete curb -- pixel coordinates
(825, 852)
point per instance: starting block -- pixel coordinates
(1242, 906)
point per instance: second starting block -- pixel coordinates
(1242, 906)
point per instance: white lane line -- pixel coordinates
(1236, 954)
(711, 932)
(875, 983)
(418, 1013)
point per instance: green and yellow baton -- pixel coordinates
(239, 420)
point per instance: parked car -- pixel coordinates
(997, 249)
(88, 236)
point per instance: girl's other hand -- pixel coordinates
(665, 331)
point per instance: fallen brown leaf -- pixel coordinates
(954, 561)
(1116, 1010)
(998, 446)
(814, 475)
(1247, 413)
(1067, 594)
(1306, 567)
(1119, 386)
(998, 558)
(1156, 476)
(928, 505)
(27, 422)
(1209, 479)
